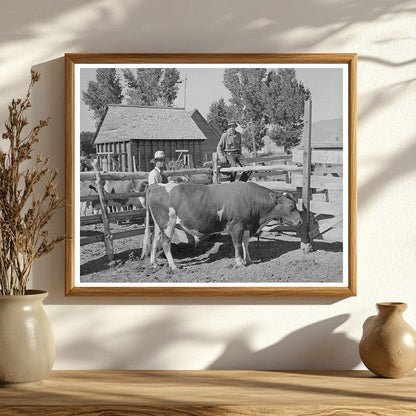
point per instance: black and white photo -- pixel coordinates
(211, 176)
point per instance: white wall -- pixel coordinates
(199, 333)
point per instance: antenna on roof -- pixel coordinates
(184, 92)
(184, 95)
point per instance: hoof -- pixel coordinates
(238, 265)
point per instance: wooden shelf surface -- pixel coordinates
(205, 393)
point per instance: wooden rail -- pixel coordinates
(119, 176)
(111, 197)
(114, 217)
(98, 238)
(261, 168)
(334, 157)
(320, 182)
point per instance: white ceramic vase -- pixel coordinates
(27, 346)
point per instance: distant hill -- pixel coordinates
(323, 131)
(327, 131)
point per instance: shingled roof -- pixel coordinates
(130, 122)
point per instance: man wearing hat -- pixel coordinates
(229, 150)
(156, 175)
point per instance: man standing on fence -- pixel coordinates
(229, 151)
(157, 175)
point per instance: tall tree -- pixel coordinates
(152, 86)
(285, 107)
(169, 86)
(267, 100)
(87, 142)
(105, 90)
(219, 114)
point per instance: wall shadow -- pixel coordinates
(393, 169)
(314, 347)
(144, 346)
(151, 22)
(139, 347)
(143, 26)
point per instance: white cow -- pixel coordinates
(124, 187)
(87, 188)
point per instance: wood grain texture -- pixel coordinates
(352, 180)
(213, 58)
(341, 292)
(326, 58)
(69, 174)
(258, 410)
(204, 393)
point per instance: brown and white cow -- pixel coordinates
(201, 210)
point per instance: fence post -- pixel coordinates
(306, 241)
(215, 169)
(108, 238)
(130, 158)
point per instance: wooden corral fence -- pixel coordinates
(105, 217)
(313, 173)
(319, 192)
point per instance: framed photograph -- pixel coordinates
(211, 174)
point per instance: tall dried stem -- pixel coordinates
(24, 210)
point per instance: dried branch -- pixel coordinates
(23, 217)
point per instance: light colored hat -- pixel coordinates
(159, 155)
(232, 124)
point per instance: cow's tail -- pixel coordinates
(147, 239)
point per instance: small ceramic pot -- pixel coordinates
(27, 347)
(388, 344)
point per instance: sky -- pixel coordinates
(205, 85)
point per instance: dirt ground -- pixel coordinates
(276, 258)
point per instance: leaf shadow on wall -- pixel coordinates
(151, 345)
(393, 169)
(131, 25)
(146, 345)
(313, 347)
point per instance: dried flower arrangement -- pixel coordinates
(28, 199)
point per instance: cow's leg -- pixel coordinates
(166, 244)
(237, 237)
(155, 243)
(246, 239)
(167, 237)
(147, 238)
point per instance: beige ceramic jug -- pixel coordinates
(388, 344)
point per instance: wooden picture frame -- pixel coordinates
(302, 159)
